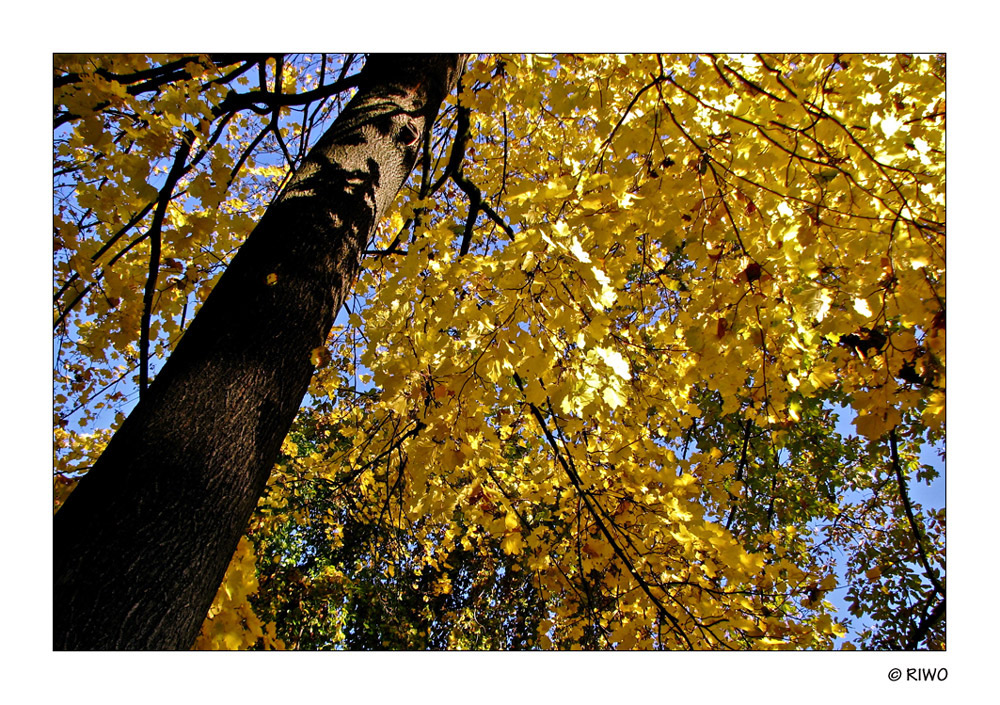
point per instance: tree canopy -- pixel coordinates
(591, 387)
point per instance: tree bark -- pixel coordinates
(142, 544)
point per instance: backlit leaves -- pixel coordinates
(612, 423)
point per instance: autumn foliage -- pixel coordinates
(587, 391)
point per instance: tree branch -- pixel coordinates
(742, 467)
(918, 539)
(187, 136)
(925, 625)
(241, 101)
(176, 172)
(595, 512)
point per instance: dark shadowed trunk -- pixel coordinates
(143, 543)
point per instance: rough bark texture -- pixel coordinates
(143, 543)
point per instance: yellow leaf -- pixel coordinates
(511, 521)
(614, 360)
(512, 544)
(576, 249)
(319, 357)
(613, 398)
(871, 426)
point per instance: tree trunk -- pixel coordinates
(142, 544)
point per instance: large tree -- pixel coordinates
(595, 383)
(142, 543)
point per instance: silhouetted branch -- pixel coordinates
(918, 539)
